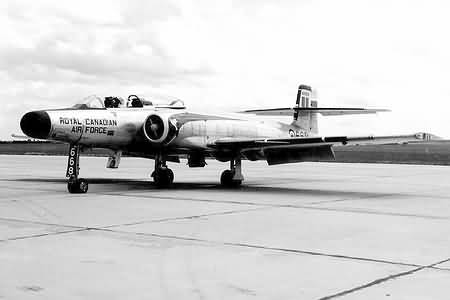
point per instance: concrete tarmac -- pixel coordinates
(299, 231)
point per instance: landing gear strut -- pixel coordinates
(75, 185)
(162, 175)
(232, 177)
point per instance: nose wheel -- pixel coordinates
(75, 185)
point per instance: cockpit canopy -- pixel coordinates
(135, 101)
(92, 101)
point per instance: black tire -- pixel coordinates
(226, 179)
(170, 175)
(82, 186)
(72, 186)
(163, 177)
(77, 186)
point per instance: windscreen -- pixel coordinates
(92, 101)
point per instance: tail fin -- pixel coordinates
(305, 119)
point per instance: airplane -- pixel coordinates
(167, 132)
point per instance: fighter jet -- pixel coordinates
(168, 132)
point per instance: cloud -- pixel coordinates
(232, 54)
(122, 48)
(44, 59)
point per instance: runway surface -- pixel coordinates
(300, 231)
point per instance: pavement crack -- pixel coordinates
(233, 244)
(369, 212)
(382, 280)
(40, 223)
(43, 235)
(229, 212)
(262, 247)
(185, 199)
(369, 197)
(306, 206)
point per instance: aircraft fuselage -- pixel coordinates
(119, 128)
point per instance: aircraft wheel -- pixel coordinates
(77, 186)
(163, 177)
(170, 175)
(71, 186)
(226, 179)
(83, 185)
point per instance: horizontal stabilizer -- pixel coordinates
(330, 111)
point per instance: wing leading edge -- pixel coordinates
(330, 111)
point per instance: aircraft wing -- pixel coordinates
(288, 150)
(331, 111)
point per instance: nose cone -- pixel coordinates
(36, 124)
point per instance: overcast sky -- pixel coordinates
(229, 55)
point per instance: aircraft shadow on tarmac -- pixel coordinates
(126, 185)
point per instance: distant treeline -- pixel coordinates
(433, 153)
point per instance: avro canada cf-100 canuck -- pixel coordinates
(168, 132)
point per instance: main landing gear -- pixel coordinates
(233, 177)
(75, 185)
(162, 175)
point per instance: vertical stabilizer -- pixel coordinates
(306, 120)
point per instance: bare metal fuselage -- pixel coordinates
(122, 128)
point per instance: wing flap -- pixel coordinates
(277, 156)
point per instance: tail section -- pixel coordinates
(304, 117)
(306, 110)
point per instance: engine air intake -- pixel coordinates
(159, 130)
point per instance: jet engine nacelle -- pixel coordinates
(160, 129)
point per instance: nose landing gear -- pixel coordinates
(75, 185)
